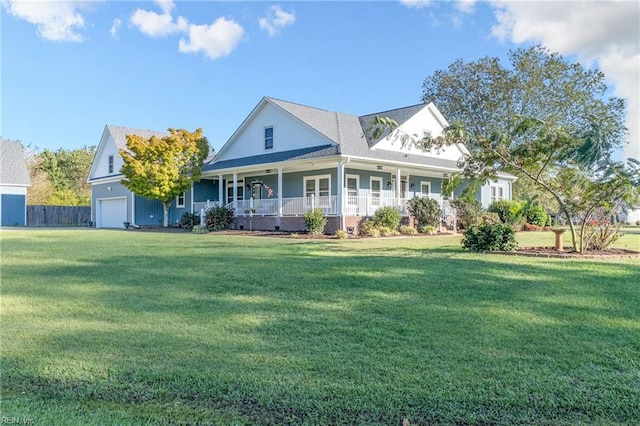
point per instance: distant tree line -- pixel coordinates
(59, 178)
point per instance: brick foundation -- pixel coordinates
(297, 224)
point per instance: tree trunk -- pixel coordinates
(165, 219)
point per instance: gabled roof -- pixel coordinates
(346, 131)
(13, 168)
(120, 133)
(400, 115)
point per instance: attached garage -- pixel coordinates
(111, 213)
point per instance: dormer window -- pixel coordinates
(268, 138)
(111, 164)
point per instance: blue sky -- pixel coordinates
(69, 68)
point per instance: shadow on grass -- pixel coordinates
(321, 333)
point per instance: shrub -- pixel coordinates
(510, 212)
(468, 213)
(535, 214)
(218, 218)
(387, 216)
(189, 220)
(428, 229)
(385, 231)
(368, 228)
(600, 236)
(315, 221)
(426, 211)
(199, 229)
(342, 234)
(496, 237)
(407, 230)
(490, 218)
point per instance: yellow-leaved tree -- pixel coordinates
(163, 168)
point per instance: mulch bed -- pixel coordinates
(611, 253)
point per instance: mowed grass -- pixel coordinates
(116, 327)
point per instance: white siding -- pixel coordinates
(288, 134)
(425, 120)
(13, 190)
(102, 167)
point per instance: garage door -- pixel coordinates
(112, 213)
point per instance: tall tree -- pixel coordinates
(59, 177)
(544, 120)
(163, 168)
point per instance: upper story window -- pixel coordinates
(111, 164)
(268, 138)
(180, 200)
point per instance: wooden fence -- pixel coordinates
(39, 215)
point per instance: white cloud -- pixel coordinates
(606, 32)
(215, 40)
(56, 21)
(275, 20)
(416, 3)
(115, 27)
(158, 24)
(465, 6)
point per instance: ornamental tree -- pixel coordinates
(163, 168)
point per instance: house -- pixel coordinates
(286, 158)
(14, 181)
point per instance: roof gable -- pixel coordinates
(294, 126)
(114, 138)
(13, 167)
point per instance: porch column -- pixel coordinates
(235, 191)
(340, 202)
(398, 186)
(279, 196)
(221, 190)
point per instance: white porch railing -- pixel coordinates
(297, 206)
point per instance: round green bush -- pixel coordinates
(388, 217)
(493, 237)
(315, 221)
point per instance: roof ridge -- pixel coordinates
(394, 109)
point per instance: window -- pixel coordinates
(230, 191)
(425, 189)
(111, 164)
(180, 200)
(497, 193)
(352, 190)
(376, 191)
(268, 138)
(317, 190)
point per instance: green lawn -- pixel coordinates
(116, 327)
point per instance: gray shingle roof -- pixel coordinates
(275, 157)
(120, 133)
(348, 131)
(13, 168)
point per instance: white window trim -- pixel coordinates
(422, 184)
(346, 189)
(496, 198)
(184, 200)
(376, 179)
(110, 164)
(317, 179)
(273, 136)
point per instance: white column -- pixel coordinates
(235, 191)
(340, 203)
(220, 190)
(398, 186)
(279, 196)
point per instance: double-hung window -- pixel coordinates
(268, 138)
(376, 191)
(497, 193)
(180, 200)
(352, 190)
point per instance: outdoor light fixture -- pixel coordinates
(248, 187)
(389, 184)
(412, 186)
